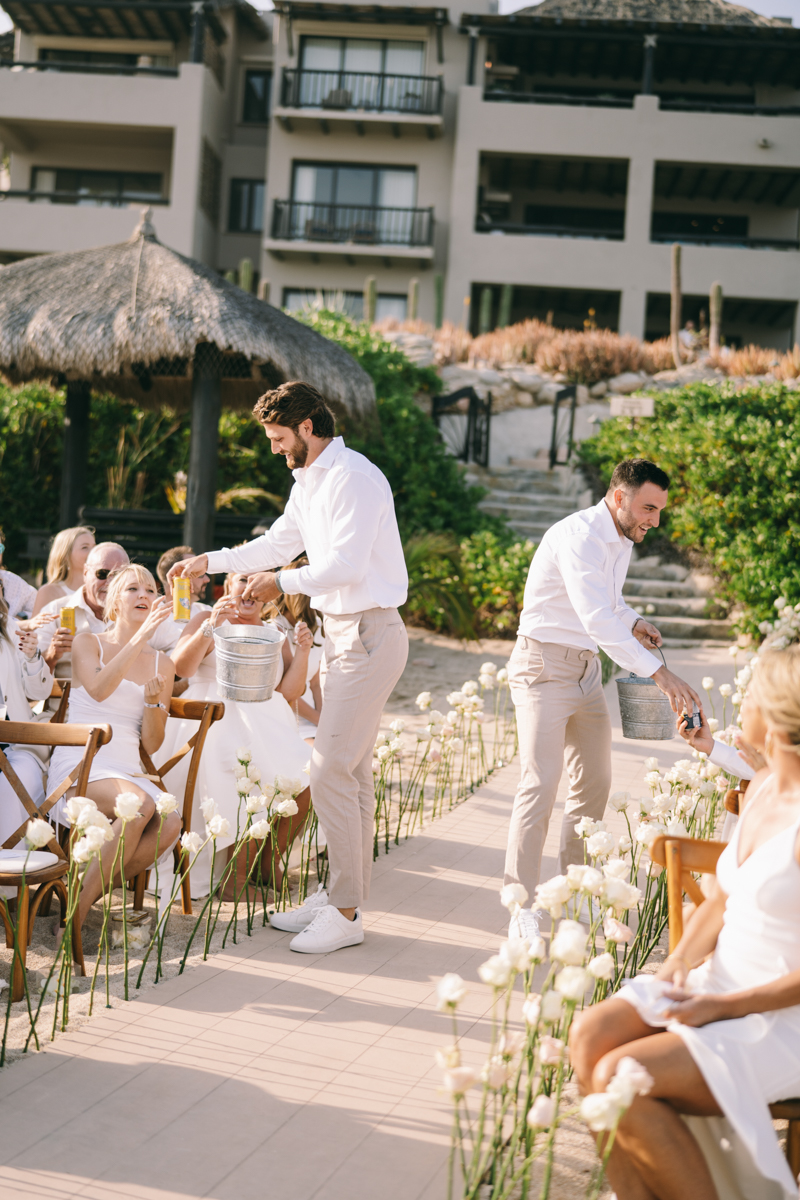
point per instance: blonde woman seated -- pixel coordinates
(718, 1026)
(65, 563)
(266, 728)
(117, 679)
(286, 612)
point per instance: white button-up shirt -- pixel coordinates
(341, 512)
(573, 595)
(84, 620)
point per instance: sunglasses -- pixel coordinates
(104, 572)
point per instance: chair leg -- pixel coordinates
(793, 1147)
(77, 946)
(139, 884)
(21, 955)
(186, 887)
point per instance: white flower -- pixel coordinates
(456, 743)
(591, 881)
(734, 650)
(243, 788)
(218, 826)
(586, 827)
(128, 806)
(647, 832)
(602, 967)
(552, 1051)
(460, 1080)
(486, 682)
(381, 738)
(572, 983)
(495, 971)
(448, 1057)
(396, 746)
(397, 726)
(661, 806)
(615, 931)
(513, 896)
(240, 771)
(677, 829)
(630, 1080)
(615, 868)
(424, 735)
(256, 803)
(383, 753)
(619, 895)
(553, 894)
(423, 700)
(287, 807)
(542, 1112)
(601, 844)
(532, 1008)
(619, 801)
(450, 991)
(725, 690)
(435, 753)
(736, 699)
(488, 668)
(552, 1007)
(512, 1042)
(243, 755)
(514, 952)
(97, 836)
(191, 843)
(75, 807)
(653, 779)
(781, 602)
(449, 729)
(502, 676)
(624, 844)
(708, 683)
(601, 1111)
(255, 774)
(474, 751)
(83, 850)
(536, 949)
(166, 804)
(259, 830)
(496, 1072)
(469, 688)
(208, 808)
(269, 792)
(569, 944)
(651, 764)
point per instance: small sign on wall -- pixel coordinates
(632, 406)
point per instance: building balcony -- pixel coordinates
(359, 98)
(79, 68)
(357, 230)
(730, 240)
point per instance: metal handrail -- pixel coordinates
(566, 393)
(549, 230)
(666, 105)
(357, 224)
(556, 98)
(85, 199)
(89, 68)
(707, 239)
(365, 91)
(699, 105)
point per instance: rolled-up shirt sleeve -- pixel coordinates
(281, 543)
(354, 517)
(582, 564)
(729, 758)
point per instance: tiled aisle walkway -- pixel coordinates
(265, 1073)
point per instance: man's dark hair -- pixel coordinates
(291, 404)
(168, 560)
(634, 472)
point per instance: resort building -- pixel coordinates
(478, 167)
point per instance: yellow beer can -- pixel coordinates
(181, 599)
(68, 619)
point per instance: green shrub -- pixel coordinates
(734, 460)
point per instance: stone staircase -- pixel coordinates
(531, 499)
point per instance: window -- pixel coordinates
(677, 225)
(354, 185)
(116, 187)
(210, 182)
(359, 55)
(387, 304)
(257, 87)
(246, 210)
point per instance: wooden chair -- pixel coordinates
(60, 692)
(206, 712)
(734, 797)
(683, 858)
(50, 880)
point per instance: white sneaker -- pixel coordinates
(296, 919)
(328, 931)
(524, 924)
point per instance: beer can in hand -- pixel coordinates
(68, 619)
(181, 599)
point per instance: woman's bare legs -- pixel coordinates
(655, 1157)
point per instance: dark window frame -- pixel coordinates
(124, 193)
(239, 185)
(383, 42)
(376, 168)
(263, 117)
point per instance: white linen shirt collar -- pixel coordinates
(325, 460)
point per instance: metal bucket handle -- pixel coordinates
(653, 646)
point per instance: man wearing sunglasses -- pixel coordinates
(88, 602)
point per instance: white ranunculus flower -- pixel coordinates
(575, 873)
(602, 967)
(781, 602)
(585, 827)
(647, 832)
(495, 971)
(469, 688)
(456, 743)
(376, 766)
(624, 844)
(97, 837)
(630, 1080)
(552, 1007)
(601, 1111)
(569, 943)
(128, 806)
(513, 896)
(424, 735)
(532, 1008)
(240, 771)
(208, 808)
(449, 729)
(616, 868)
(619, 801)
(647, 804)
(268, 791)
(553, 895)
(479, 717)
(259, 830)
(651, 764)
(191, 842)
(619, 895)
(496, 1072)
(456, 698)
(708, 682)
(592, 881)
(514, 952)
(488, 668)
(459, 1080)
(572, 983)
(243, 788)
(737, 699)
(83, 850)
(502, 675)
(218, 826)
(285, 783)
(243, 755)
(616, 931)
(423, 700)
(448, 1057)
(512, 1042)
(383, 753)
(166, 804)
(287, 807)
(254, 773)
(601, 844)
(677, 829)
(542, 1112)
(450, 991)
(725, 690)
(75, 806)
(537, 949)
(256, 803)
(397, 726)
(552, 1051)
(661, 806)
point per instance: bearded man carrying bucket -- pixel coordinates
(573, 605)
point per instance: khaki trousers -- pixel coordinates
(561, 717)
(365, 654)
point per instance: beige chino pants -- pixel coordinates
(365, 654)
(561, 718)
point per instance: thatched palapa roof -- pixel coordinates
(688, 12)
(127, 318)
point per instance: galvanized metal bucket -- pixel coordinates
(646, 712)
(248, 658)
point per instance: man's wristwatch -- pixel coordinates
(636, 622)
(278, 583)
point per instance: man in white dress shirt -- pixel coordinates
(341, 513)
(573, 605)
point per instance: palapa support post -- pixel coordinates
(715, 317)
(75, 455)
(675, 305)
(198, 525)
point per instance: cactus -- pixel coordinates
(438, 294)
(263, 290)
(413, 299)
(246, 274)
(485, 311)
(504, 314)
(230, 276)
(370, 299)
(715, 313)
(675, 305)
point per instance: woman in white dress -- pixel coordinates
(24, 676)
(117, 679)
(286, 613)
(267, 728)
(718, 1026)
(65, 563)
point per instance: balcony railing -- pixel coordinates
(699, 105)
(356, 224)
(89, 68)
(83, 199)
(573, 231)
(707, 239)
(509, 97)
(695, 105)
(357, 90)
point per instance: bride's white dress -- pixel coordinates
(750, 1062)
(267, 728)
